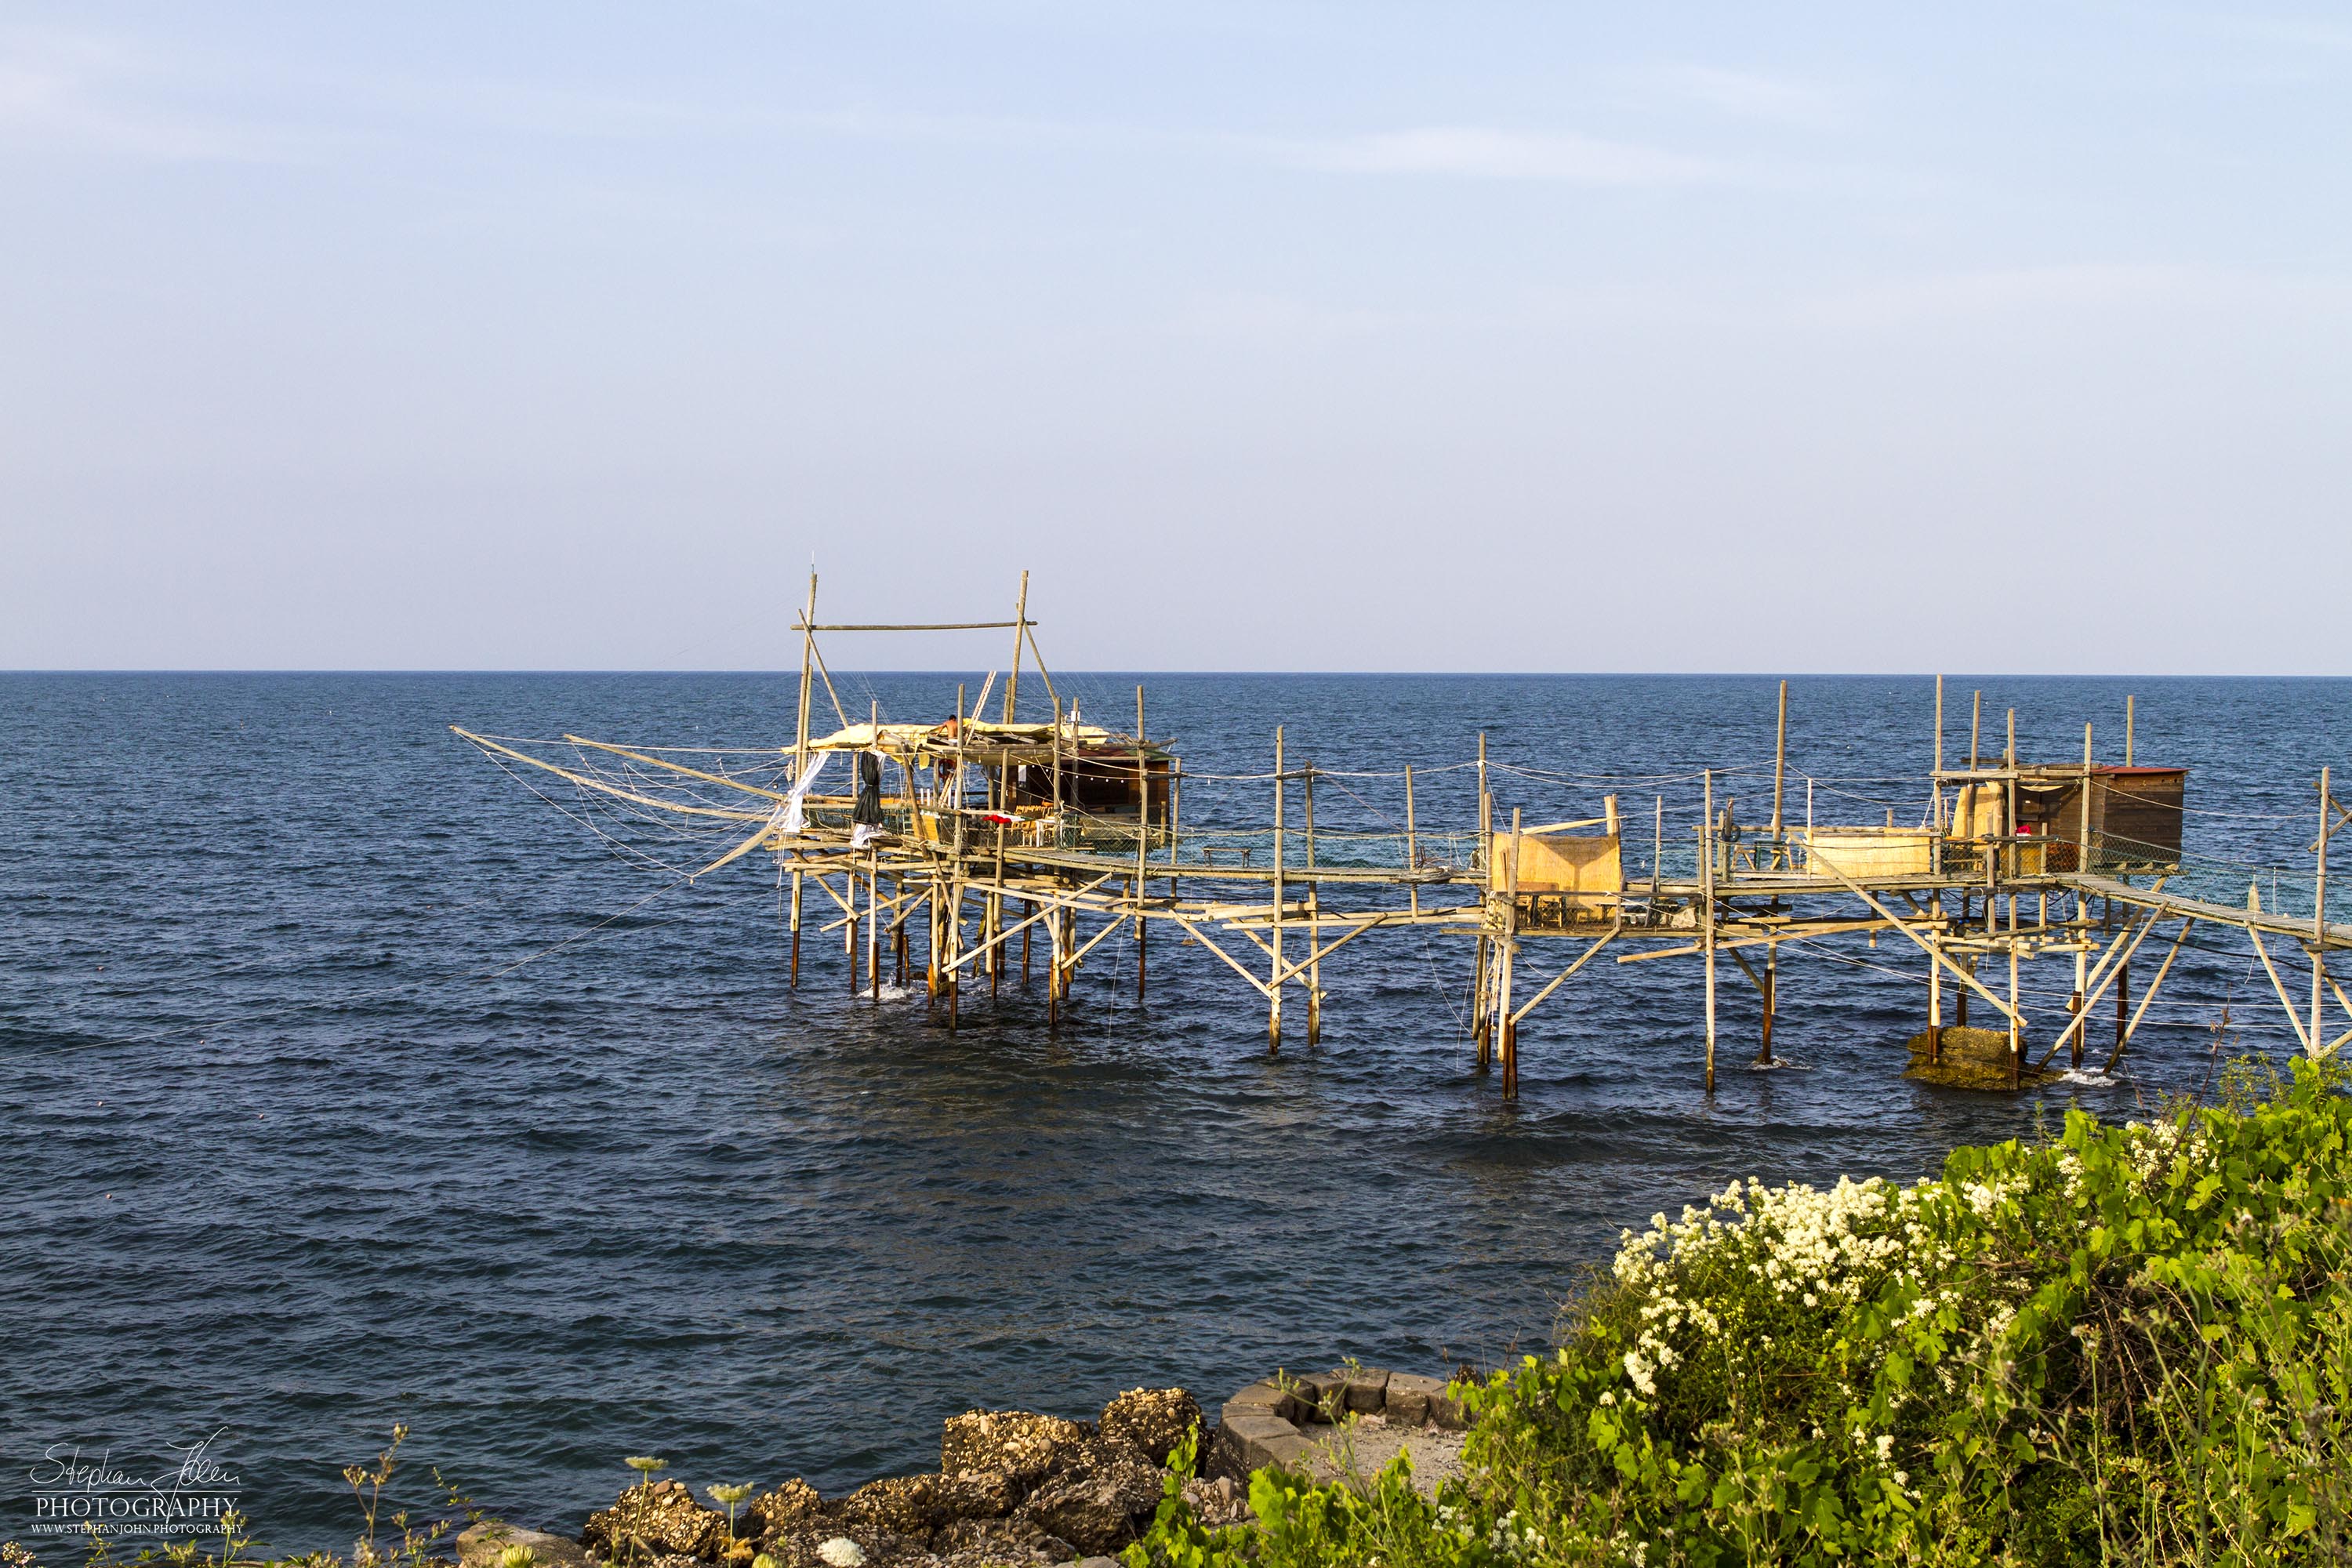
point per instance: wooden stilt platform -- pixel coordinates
(971, 831)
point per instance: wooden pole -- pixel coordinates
(2319, 913)
(956, 869)
(1706, 915)
(799, 758)
(1510, 946)
(1142, 838)
(1273, 990)
(1482, 1016)
(1314, 923)
(1770, 988)
(2083, 858)
(1936, 995)
(1940, 724)
(2129, 703)
(1657, 851)
(1976, 726)
(874, 870)
(1020, 631)
(1412, 845)
(2080, 1000)
(1781, 754)
(2016, 1024)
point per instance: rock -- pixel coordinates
(1098, 1563)
(663, 1519)
(1097, 1497)
(1360, 1389)
(999, 1540)
(1262, 1399)
(1015, 1442)
(1409, 1397)
(915, 1506)
(1152, 1419)
(792, 1503)
(840, 1552)
(481, 1545)
(902, 1505)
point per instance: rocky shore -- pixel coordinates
(1016, 1487)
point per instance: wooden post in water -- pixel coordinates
(2318, 916)
(1314, 923)
(1706, 913)
(1510, 945)
(1412, 845)
(1274, 992)
(1781, 762)
(955, 896)
(1976, 726)
(2130, 703)
(1142, 836)
(1935, 989)
(1770, 988)
(800, 756)
(1481, 1017)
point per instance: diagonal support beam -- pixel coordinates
(2110, 967)
(1587, 957)
(1199, 930)
(2293, 1013)
(1962, 975)
(2154, 987)
(1045, 906)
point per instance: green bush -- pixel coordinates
(2128, 1344)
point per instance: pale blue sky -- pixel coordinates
(1268, 336)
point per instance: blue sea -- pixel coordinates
(351, 1081)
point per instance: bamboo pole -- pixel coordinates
(1706, 913)
(1274, 995)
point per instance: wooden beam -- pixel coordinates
(1964, 977)
(2294, 1015)
(1581, 959)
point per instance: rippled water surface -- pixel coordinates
(338, 1098)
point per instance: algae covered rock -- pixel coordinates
(662, 1521)
(795, 1503)
(1016, 1443)
(1153, 1420)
